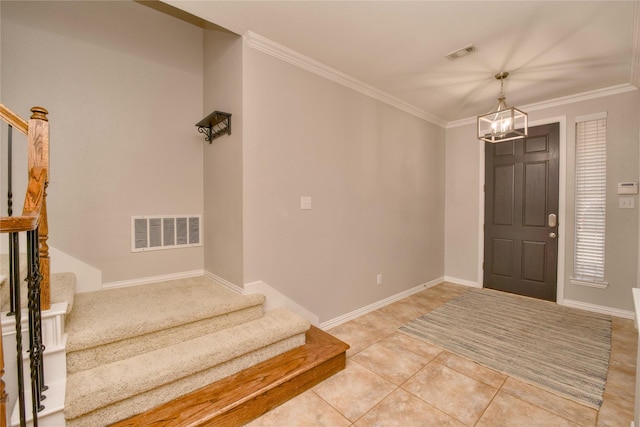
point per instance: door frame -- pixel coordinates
(562, 212)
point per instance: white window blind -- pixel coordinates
(590, 200)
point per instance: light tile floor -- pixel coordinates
(392, 379)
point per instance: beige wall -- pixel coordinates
(223, 158)
(376, 178)
(462, 201)
(123, 85)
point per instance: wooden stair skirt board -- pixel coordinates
(244, 396)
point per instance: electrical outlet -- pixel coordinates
(305, 203)
(379, 279)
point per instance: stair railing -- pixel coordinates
(32, 222)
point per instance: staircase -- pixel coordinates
(160, 349)
(174, 353)
(150, 344)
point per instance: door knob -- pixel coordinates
(553, 235)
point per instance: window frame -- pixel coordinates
(590, 199)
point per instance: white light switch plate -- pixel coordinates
(626, 202)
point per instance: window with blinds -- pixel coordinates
(590, 200)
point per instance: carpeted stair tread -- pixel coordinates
(63, 289)
(104, 317)
(4, 285)
(167, 392)
(106, 353)
(63, 285)
(104, 385)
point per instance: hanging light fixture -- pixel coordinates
(504, 123)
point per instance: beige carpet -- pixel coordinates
(103, 317)
(131, 349)
(89, 358)
(106, 385)
(143, 402)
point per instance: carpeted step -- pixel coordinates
(63, 289)
(63, 285)
(4, 285)
(118, 390)
(106, 326)
(244, 396)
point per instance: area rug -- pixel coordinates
(559, 349)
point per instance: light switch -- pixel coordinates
(626, 202)
(305, 203)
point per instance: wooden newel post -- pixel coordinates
(38, 138)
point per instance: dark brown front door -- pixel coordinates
(521, 194)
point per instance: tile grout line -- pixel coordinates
(432, 361)
(491, 401)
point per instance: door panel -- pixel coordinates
(534, 261)
(521, 192)
(503, 199)
(503, 256)
(535, 194)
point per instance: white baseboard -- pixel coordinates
(379, 304)
(152, 279)
(599, 309)
(223, 282)
(276, 299)
(464, 282)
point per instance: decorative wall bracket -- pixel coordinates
(214, 125)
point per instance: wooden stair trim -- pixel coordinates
(244, 396)
(14, 120)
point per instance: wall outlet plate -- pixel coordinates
(305, 203)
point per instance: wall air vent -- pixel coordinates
(154, 232)
(461, 52)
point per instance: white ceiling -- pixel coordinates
(552, 49)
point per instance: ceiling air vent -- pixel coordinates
(461, 52)
(149, 233)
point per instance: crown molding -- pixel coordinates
(276, 50)
(585, 96)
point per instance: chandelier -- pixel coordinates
(504, 123)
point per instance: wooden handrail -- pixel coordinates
(14, 120)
